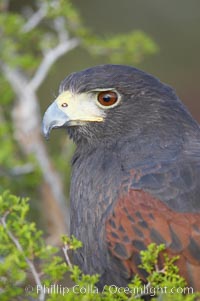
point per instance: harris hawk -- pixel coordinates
(135, 172)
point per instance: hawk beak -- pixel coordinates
(53, 118)
(71, 110)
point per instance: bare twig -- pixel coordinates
(17, 170)
(22, 170)
(65, 251)
(35, 19)
(59, 27)
(49, 59)
(28, 261)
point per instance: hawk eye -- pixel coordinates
(107, 98)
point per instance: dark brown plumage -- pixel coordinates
(136, 171)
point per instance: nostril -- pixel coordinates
(64, 105)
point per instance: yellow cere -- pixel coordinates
(80, 107)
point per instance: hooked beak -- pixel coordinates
(53, 118)
(70, 109)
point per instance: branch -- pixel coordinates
(15, 78)
(59, 27)
(22, 170)
(49, 59)
(27, 123)
(29, 262)
(35, 19)
(65, 251)
(17, 170)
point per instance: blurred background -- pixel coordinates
(160, 37)
(175, 27)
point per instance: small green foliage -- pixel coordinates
(130, 48)
(21, 247)
(31, 269)
(6, 93)
(18, 48)
(71, 242)
(150, 258)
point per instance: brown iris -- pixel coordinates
(107, 98)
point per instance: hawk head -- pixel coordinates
(106, 102)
